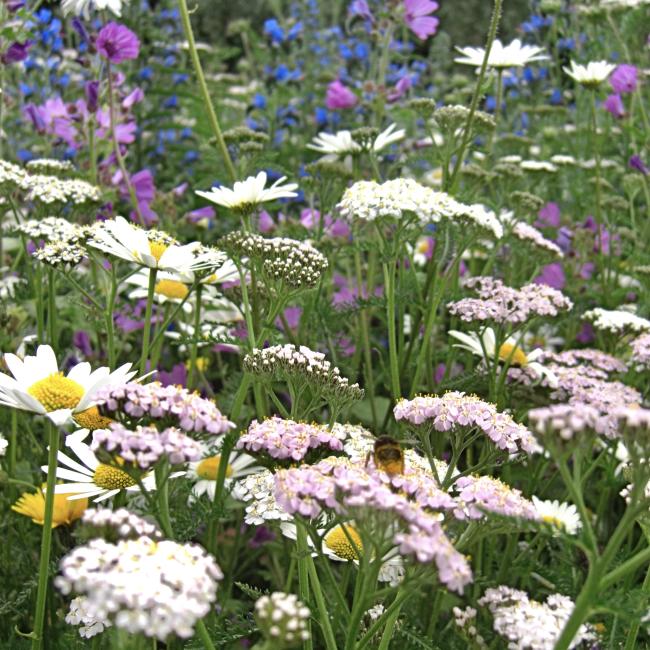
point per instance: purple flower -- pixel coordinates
(417, 17)
(202, 217)
(266, 223)
(81, 340)
(360, 8)
(117, 43)
(339, 96)
(553, 276)
(91, 90)
(177, 376)
(635, 162)
(623, 79)
(133, 98)
(549, 216)
(16, 52)
(401, 88)
(586, 334)
(614, 106)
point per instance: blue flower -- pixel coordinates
(273, 29)
(259, 101)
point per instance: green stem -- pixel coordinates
(162, 490)
(146, 334)
(389, 282)
(467, 131)
(46, 539)
(195, 342)
(205, 637)
(110, 323)
(323, 614)
(303, 576)
(630, 643)
(622, 570)
(212, 115)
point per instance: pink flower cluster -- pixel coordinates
(146, 445)
(344, 487)
(455, 409)
(596, 358)
(188, 410)
(641, 350)
(288, 439)
(502, 304)
(119, 524)
(478, 494)
(567, 420)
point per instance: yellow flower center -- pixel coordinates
(338, 541)
(112, 478)
(56, 392)
(157, 248)
(171, 289)
(208, 468)
(514, 355)
(422, 246)
(65, 511)
(92, 419)
(553, 521)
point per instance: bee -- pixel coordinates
(388, 455)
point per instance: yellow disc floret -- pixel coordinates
(56, 392)
(92, 419)
(514, 355)
(208, 468)
(171, 289)
(338, 541)
(157, 248)
(112, 478)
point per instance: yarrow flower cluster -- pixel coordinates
(188, 410)
(112, 525)
(528, 233)
(295, 262)
(370, 201)
(60, 253)
(594, 358)
(300, 363)
(156, 588)
(50, 165)
(458, 410)
(145, 446)
(258, 492)
(282, 619)
(480, 494)
(55, 229)
(528, 624)
(90, 626)
(286, 439)
(617, 321)
(502, 304)
(641, 350)
(566, 420)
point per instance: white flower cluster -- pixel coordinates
(50, 189)
(617, 321)
(369, 201)
(119, 523)
(8, 284)
(295, 262)
(257, 491)
(41, 165)
(4, 443)
(11, 175)
(528, 624)
(78, 615)
(302, 363)
(538, 166)
(51, 228)
(465, 619)
(282, 619)
(60, 253)
(156, 588)
(529, 233)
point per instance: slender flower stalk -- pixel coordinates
(467, 131)
(46, 538)
(146, 332)
(198, 69)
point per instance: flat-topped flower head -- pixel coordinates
(283, 620)
(617, 321)
(246, 195)
(153, 587)
(513, 55)
(38, 386)
(483, 345)
(151, 248)
(591, 75)
(65, 512)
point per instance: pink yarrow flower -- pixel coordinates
(117, 43)
(339, 96)
(418, 18)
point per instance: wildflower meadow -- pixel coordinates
(325, 324)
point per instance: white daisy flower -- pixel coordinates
(509, 351)
(563, 516)
(82, 7)
(205, 471)
(336, 545)
(38, 386)
(388, 137)
(502, 56)
(246, 195)
(590, 75)
(91, 478)
(152, 249)
(334, 144)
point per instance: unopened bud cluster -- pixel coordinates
(282, 619)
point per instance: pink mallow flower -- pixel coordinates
(339, 96)
(417, 17)
(117, 43)
(614, 106)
